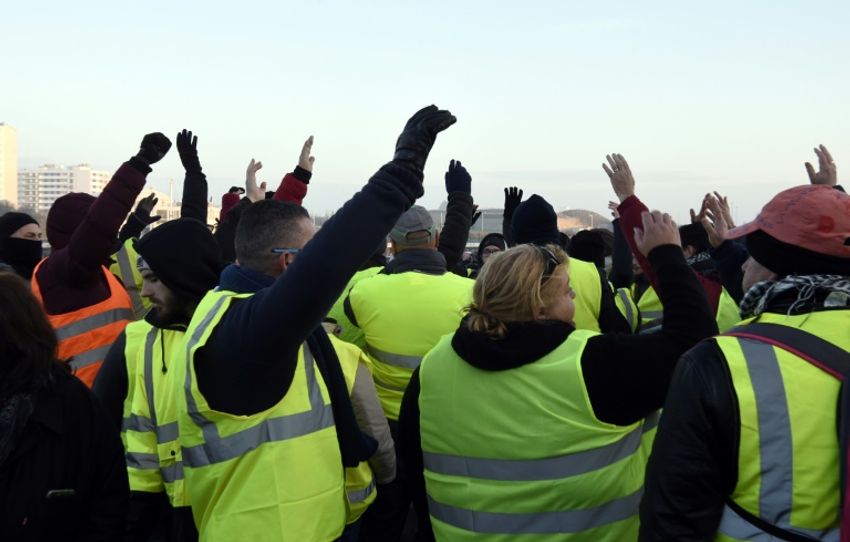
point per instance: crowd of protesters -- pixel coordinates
(257, 379)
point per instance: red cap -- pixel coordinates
(814, 217)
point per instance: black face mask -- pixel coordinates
(22, 254)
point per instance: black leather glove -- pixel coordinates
(458, 179)
(154, 146)
(513, 197)
(144, 209)
(419, 134)
(187, 146)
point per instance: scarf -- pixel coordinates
(801, 293)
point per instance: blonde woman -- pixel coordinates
(528, 429)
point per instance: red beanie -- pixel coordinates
(65, 215)
(228, 201)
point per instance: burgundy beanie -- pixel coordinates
(65, 215)
(228, 201)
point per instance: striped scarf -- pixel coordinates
(834, 289)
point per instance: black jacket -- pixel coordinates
(626, 376)
(66, 478)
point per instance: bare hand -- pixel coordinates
(658, 229)
(613, 205)
(305, 161)
(696, 218)
(725, 209)
(826, 173)
(622, 180)
(252, 191)
(714, 221)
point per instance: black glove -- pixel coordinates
(458, 179)
(418, 136)
(513, 197)
(154, 146)
(236, 190)
(144, 208)
(476, 214)
(187, 146)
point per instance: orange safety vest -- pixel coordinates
(85, 335)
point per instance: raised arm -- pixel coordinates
(93, 241)
(138, 220)
(513, 197)
(195, 190)
(293, 187)
(458, 215)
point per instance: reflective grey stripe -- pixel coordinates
(381, 384)
(396, 360)
(630, 313)
(776, 451)
(775, 444)
(217, 449)
(138, 460)
(167, 433)
(359, 496)
(90, 357)
(734, 526)
(550, 468)
(566, 521)
(652, 315)
(139, 424)
(129, 281)
(92, 322)
(651, 421)
(150, 340)
(172, 473)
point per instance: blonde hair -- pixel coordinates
(510, 288)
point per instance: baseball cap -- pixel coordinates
(811, 217)
(416, 219)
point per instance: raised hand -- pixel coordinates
(725, 209)
(458, 179)
(252, 191)
(714, 221)
(826, 173)
(415, 142)
(154, 146)
(513, 197)
(305, 160)
(620, 175)
(476, 214)
(696, 218)
(658, 229)
(187, 147)
(612, 206)
(144, 209)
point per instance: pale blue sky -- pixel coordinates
(698, 96)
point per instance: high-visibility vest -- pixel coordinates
(360, 485)
(587, 284)
(788, 453)
(149, 425)
(519, 454)
(651, 310)
(85, 335)
(402, 316)
(125, 269)
(627, 307)
(349, 332)
(274, 475)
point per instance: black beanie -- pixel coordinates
(11, 222)
(695, 236)
(184, 255)
(588, 245)
(535, 222)
(785, 259)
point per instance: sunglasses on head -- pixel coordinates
(552, 262)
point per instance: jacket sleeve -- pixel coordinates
(225, 234)
(111, 384)
(410, 454)
(611, 320)
(627, 376)
(728, 258)
(293, 186)
(456, 229)
(694, 461)
(507, 233)
(132, 228)
(373, 422)
(92, 243)
(621, 264)
(299, 299)
(194, 204)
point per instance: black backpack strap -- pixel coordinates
(830, 359)
(769, 528)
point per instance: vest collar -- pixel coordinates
(426, 261)
(244, 281)
(524, 343)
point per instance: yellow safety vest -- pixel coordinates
(519, 454)
(125, 269)
(788, 454)
(349, 332)
(651, 310)
(627, 307)
(360, 486)
(149, 425)
(274, 475)
(587, 284)
(402, 316)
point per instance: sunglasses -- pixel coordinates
(552, 262)
(285, 250)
